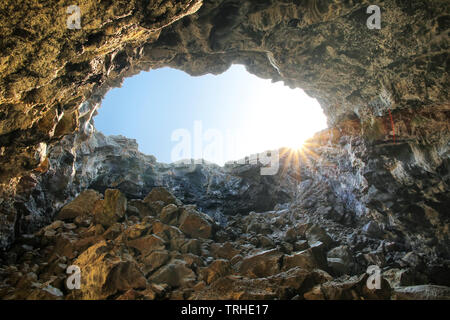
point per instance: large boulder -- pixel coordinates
(143, 207)
(223, 251)
(104, 273)
(263, 264)
(169, 214)
(80, 206)
(160, 194)
(154, 260)
(111, 209)
(176, 274)
(217, 269)
(147, 244)
(196, 224)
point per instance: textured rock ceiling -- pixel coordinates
(323, 47)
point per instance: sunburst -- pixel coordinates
(295, 158)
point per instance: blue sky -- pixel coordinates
(223, 117)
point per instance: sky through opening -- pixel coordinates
(221, 118)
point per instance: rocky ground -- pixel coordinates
(158, 248)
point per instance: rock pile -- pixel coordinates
(159, 248)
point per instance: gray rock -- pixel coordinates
(422, 292)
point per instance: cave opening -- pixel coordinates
(218, 118)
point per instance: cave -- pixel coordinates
(361, 212)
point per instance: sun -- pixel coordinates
(295, 145)
(282, 117)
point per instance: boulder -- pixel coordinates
(305, 259)
(338, 266)
(82, 205)
(297, 232)
(348, 288)
(223, 251)
(154, 260)
(142, 207)
(113, 231)
(111, 209)
(399, 277)
(193, 246)
(316, 233)
(104, 273)
(196, 224)
(300, 245)
(176, 274)
(217, 269)
(160, 194)
(147, 244)
(262, 264)
(169, 214)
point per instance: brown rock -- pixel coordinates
(223, 251)
(175, 274)
(104, 273)
(196, 224)
(142, 207)
(169, 214)
(262, 264)
(217, 269)
(192, 246)
(304, 259)
(315, 294)
(154, 260)
(65, 245)
(111, 209)
(300, 245)
(399, 277)
(349, 288)
(297, 232)
(137, 231)
(160, 194)
(80, 206)
(113, 231)
(147, 244)
(315, 234)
